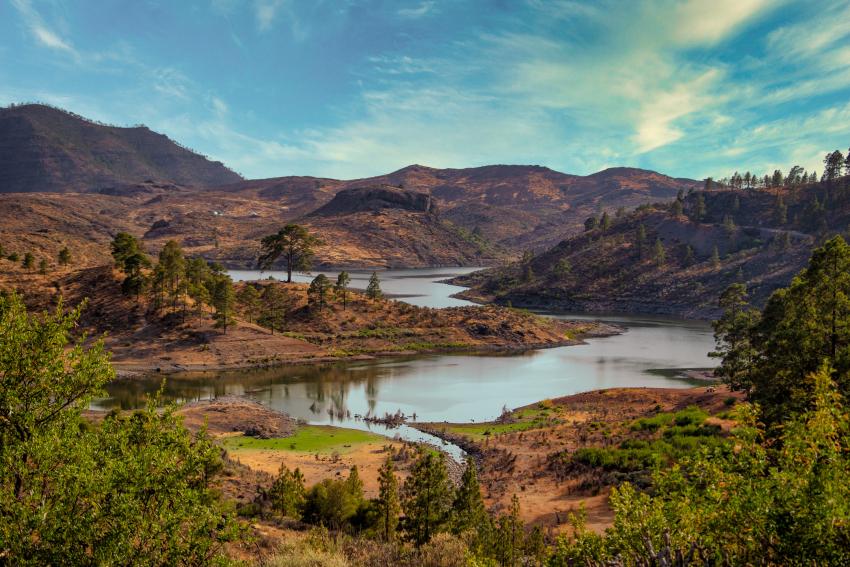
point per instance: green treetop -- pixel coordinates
(676, 209)
(591, 223)
(468, 512)
(223, 299)
(715, 258)
(43, 267)
(340, 288)
(732, 336)
(287, 492)
(250, 300)
(294, 245)
(605, 223)
(124, 246)
(373, 290)
(28, 262)
(698, 208)
(319, 291)
(65, 257)
(131, 492)
(427, 500)
(387, 502)
(658, 254)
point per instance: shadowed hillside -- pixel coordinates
(47, 149)
(673, 269)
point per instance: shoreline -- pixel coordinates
(692, 312)
(129, 370)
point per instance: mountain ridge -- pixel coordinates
(46, 149)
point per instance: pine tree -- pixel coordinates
(250, 300)
(355, 485)
(732, 336)
(680, 196)
(468, 509)
(275, 304)
(340, 289)
(287, 492)
(427, 499)
(591, 223)
(43, 267)
(528, 275)
(172, 261)
(621, 212)
(64, 257)
(640, 240)
(715, 258)
(294, 245)
(736, 205)
(200, 295)
(698, 208)
(729, 229)
(387, 501)
(676, 209)
(605, 223)
(28, 262)
(782, 243)
(223, 299)
(560, 269)
(373, 290)
(658, 255)
(510, 535)
(2, 251)
(318, 292)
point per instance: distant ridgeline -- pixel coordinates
(45, 148)
(676, 257)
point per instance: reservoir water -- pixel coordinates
(456, 387)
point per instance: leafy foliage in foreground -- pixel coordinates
(786, 503)
(134, 491)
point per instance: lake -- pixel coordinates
(455, 387)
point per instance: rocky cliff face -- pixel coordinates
(376, 198)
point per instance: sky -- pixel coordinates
(350, 88)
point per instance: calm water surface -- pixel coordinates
(457, 387)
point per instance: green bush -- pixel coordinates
(251, 510)
(730, 401)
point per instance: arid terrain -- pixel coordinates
(143, 339)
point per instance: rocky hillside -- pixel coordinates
(47, 149)
(609, 269)
(516, 206)
(384, 226)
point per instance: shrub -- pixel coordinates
(730, 401)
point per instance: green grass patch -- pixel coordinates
(692, 415)
(634, 455)
(322, 439)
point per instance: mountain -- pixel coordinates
(515, 206)
(609, 270)
(45, 149)
(370, 227)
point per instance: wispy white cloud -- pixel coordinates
(709, 21)
(423, 9)
(40, 30)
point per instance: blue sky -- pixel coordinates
(350, 88)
